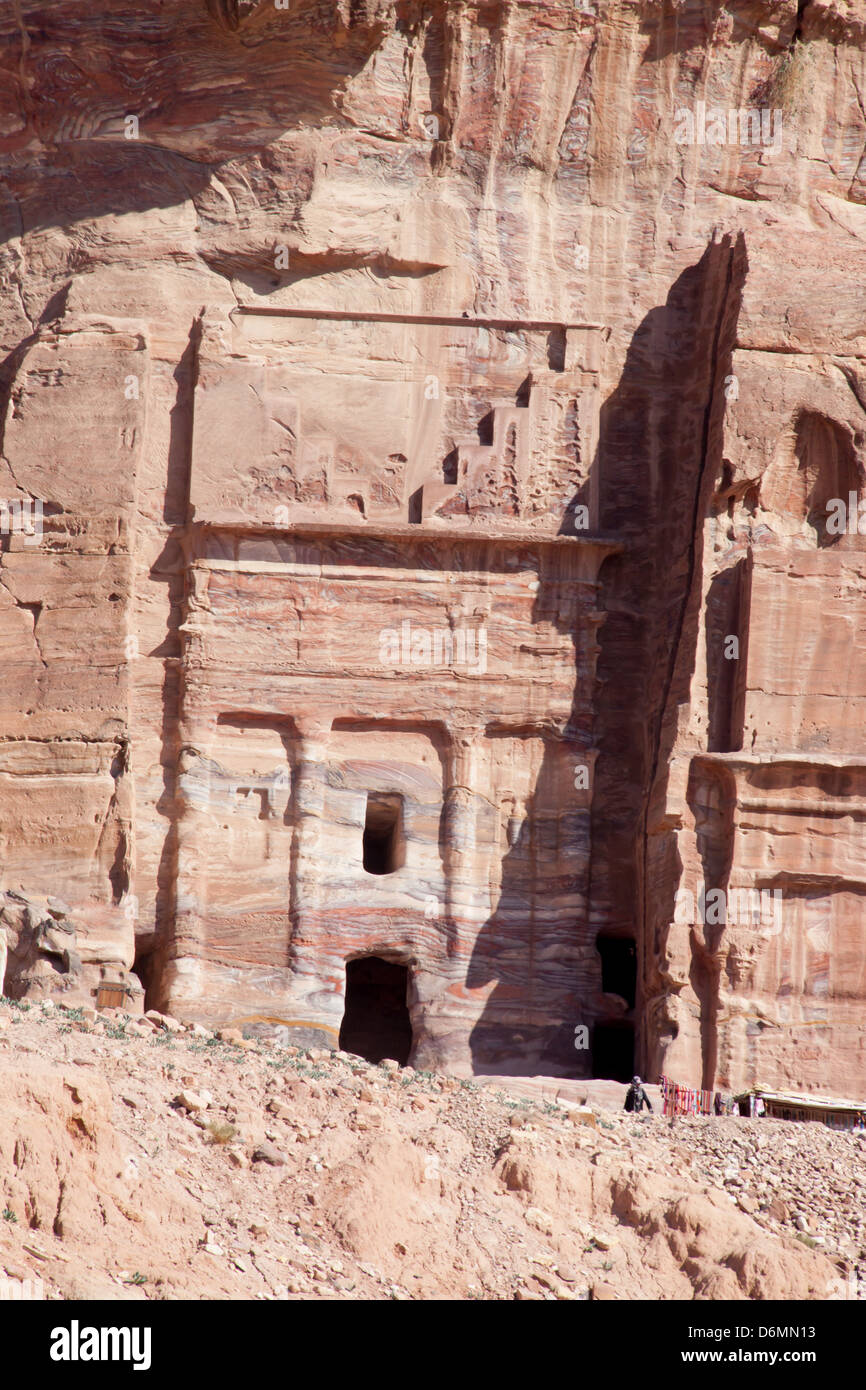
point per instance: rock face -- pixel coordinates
(48, 950)
(424, 436)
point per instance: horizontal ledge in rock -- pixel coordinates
(790, 759)
(420, 531)
(435, 320)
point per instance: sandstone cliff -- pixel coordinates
(541, 324)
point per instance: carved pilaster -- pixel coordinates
(460, 829)
(310, 782)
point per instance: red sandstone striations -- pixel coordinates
(424, 433)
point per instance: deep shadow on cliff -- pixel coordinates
(657, 462)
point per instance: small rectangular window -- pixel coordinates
(383, 845)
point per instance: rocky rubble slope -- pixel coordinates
(140, 1159)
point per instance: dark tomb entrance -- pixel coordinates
(618, 966)
(376, 1022)
(613, 1051)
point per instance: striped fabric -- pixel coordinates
(684, 1100)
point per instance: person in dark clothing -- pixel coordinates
(636, 1097)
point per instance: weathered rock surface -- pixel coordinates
(50, 949)
(432, 1189)
(403, 409)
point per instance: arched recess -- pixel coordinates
(815, 463)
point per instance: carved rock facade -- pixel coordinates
(423, 426)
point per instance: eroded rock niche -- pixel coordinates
(422, 580)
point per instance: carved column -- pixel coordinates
(192, 793)
(461, 867)
(310, 782)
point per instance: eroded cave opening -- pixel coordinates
(376, 1022)
(146, 968)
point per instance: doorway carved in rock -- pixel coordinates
(376, 1023)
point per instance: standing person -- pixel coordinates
(718, 1103)
(760, 1108)
(636, 1097)
(4, 954)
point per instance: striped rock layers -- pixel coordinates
(433, 445)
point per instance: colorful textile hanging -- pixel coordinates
(684, 1100)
